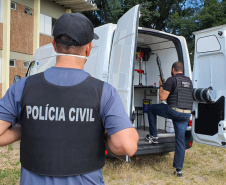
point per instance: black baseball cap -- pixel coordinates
(76, 26)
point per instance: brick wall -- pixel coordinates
(1, 36)
(45, 39)
(18, 70)
(21, 31)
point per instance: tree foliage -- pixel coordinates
(180, 17)
(197, 15)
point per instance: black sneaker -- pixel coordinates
(178, 173)
(151, 139)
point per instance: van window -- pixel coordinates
(208, 44)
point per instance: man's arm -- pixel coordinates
(163, 94)
(8, 136)
(121, 136)
(123, 142)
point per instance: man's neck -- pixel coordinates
(70, 62)
(179, 72)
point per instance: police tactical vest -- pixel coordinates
(62, 132)
(182, 96)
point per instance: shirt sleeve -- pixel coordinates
(113, 114)
(10, 103)
(168, 86)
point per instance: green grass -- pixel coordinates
(204, 165)
(9, 176)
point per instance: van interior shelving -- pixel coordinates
(146, 85)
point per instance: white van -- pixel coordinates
(209, 74)
(125, 57)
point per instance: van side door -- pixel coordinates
(209, 80)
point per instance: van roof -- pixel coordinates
(209, 29)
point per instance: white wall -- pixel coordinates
(1, 10)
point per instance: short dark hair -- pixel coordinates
(66, 45)
(178, 66)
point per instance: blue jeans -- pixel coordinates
(180, 122)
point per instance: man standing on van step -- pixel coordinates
(177, 90)
(64, 113)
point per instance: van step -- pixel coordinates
(161, 147)
(161, 140)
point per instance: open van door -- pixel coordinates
(123, 55)
(209, 80)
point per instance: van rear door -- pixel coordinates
(209, 80)
(97, 64)
(123, 55)
(186, 59)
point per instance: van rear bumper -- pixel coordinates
(166, 144)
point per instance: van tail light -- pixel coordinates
(190, 143)
(106, 152)
(190, 123)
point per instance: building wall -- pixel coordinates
(21, 34)
(51, 9)
(21, 31)
(18, 70)
(1, 36)
(47, 7)
(29, 3)
(45, 39)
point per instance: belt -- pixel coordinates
(181, 110)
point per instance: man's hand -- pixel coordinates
(163, 94)
(8, 136)
(162, 82)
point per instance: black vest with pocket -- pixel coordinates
(62, 131)
(182, 97)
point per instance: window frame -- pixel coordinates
(13, 61)
(12, 2)
(46, 24)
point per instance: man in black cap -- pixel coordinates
(65, 114)
(177, 90)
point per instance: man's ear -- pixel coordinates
(54, 44)
(88, 48)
